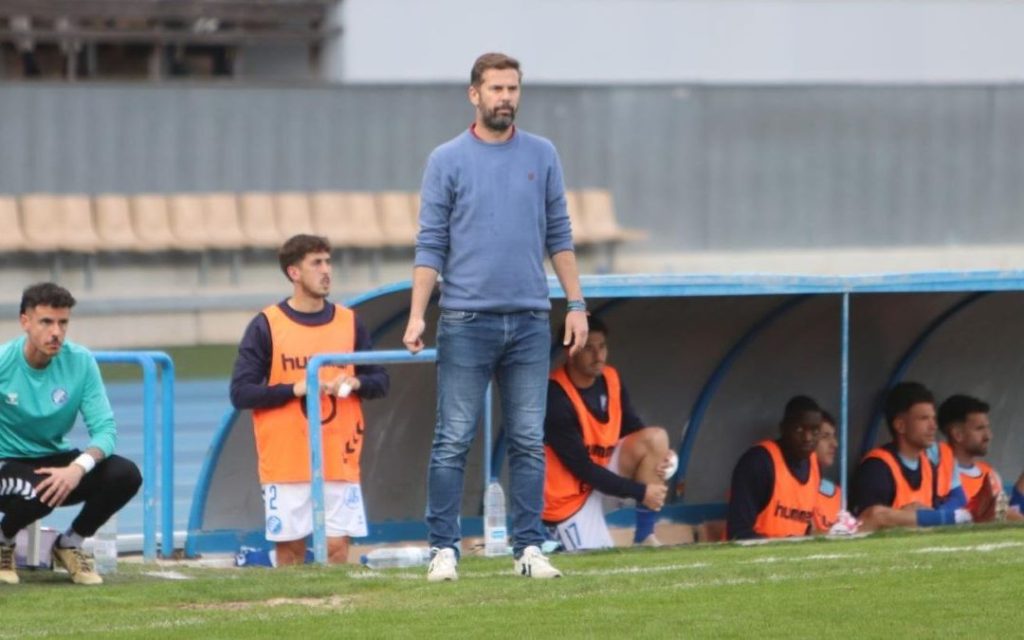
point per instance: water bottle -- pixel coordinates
(396, 557)
(495, 528)
(104, 547)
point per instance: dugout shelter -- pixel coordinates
(711, 358)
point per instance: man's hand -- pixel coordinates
(299, 388)
(575, 331)
(341, 387)
(654, 496)
(54, 490)
(413, 338)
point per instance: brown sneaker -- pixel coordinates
(78, 563)
(7, 573)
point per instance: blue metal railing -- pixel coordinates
(149, 362)
(313, 411)
(844, 399)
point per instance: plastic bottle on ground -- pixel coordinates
(104, 547)
(396, 557)
(495, 525)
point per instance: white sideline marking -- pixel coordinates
(167, 575)
(816, 556)
(661, 568)
(983, 548)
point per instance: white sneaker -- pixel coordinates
(534, 564)
(443, 566)
(649, 541)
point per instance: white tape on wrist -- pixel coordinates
(85, 461)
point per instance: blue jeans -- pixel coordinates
(473, 347)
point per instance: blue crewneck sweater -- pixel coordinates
(489, 212)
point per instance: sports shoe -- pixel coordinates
(7, 573)
(649, 541)
(443, 566)
(78, 563)
(845, 525)
(534, 564)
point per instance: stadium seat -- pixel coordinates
(188, 224)
(597, 208)
(259, 221)
(114, 223)
(398, 217)
(59, 223)
(41, 221)
(78, 230)
(152, 223)
(293, 214)
(347, 219)
(13, 238)
(416, 207)
(580, 237)
(223, 230)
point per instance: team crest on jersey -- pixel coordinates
(59, 396)
(11, 398)
(274, 525)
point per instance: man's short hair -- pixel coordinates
(829, 418)
(492, 61)
(956, 408)
(298, 247)
(900, 398)
(46, 294)
(796, 407)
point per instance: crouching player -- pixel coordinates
(45, 383)
(596, 446)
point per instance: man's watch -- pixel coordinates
(576, 305)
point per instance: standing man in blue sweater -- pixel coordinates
(45, 383)
(493, 204)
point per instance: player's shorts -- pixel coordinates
(289, 510)
(587, 529)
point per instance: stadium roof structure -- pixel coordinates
(713, 359)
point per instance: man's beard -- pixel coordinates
(495, 122)
(315, 292)
(978, 450)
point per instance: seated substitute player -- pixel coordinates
(896, 485)
(46, 381)
(775, 484)
(964, 421)
(270, 379)
(596, 446)
(829, 501)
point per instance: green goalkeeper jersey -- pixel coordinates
(38, 407)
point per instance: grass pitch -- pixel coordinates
(947, 583)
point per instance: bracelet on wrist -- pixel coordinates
(85, 461)
(576, 305)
